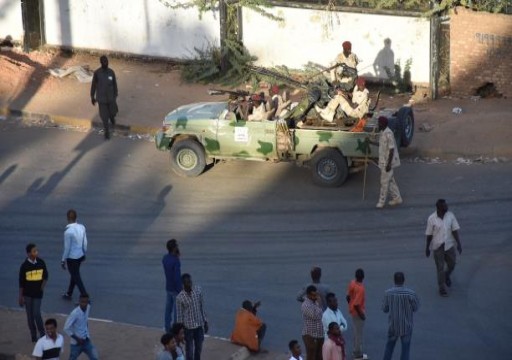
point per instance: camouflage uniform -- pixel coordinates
(387, 180)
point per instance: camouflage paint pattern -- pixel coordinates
(213, 126)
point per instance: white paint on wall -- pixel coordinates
(316, 35)
(10, 20)
(143, 27)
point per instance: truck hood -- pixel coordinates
(197, 111)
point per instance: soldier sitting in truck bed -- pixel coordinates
(356, 109)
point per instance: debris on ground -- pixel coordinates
(425, 127)
(475, 98)
(457, 110)
(82, 73)
(427, 160)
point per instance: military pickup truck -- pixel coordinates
(199, 133)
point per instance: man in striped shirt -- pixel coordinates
(400, 302)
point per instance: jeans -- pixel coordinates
(170, 310)
(358, 323)
(87, 347)
(75, 279)
(406, 347)
(34, 319)
(194, 343)
(313, 347)
(442, 256)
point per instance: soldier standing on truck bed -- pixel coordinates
(349, 59)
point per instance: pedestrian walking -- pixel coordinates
(104, 92)
(400, 302)
(75, 248)
(191, 312)
(442, 236)
(32, 280)
(356, 298)
(49, 346)
(312, 331)
(170, 350)
(78, 330)
(334, 345)
(388, 161)
(321, 288)
(295, 350)
(249, 329)
(173, 286)
(333, 314)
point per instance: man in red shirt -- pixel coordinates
(356, 300)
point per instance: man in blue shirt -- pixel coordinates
(173, 284)
(75, 247)
(76, 327)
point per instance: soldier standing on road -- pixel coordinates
(172, 269)
(400, 302)
(190, 311)
(442, 235)
(75, 247)
(104, 91)
(388, 160)
(32, 280)
(356, 298)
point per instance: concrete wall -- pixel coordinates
(139, 27)
(10, 19)
(480, 51)
(316, 35)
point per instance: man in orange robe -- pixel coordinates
(249, 329)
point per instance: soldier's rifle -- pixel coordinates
(237, 93)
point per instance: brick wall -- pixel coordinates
(480, 51)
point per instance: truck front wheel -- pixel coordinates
(329, 168)
(188, 158)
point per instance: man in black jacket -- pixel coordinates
(104, 91)
(32, 279)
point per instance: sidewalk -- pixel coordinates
(114, 341)
(149, 90)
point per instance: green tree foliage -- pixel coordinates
(203, 6)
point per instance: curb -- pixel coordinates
(240, 354)
(27, 116)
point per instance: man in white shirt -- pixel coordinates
(333, 314)
(75, 247)
(295, 350)
(77, 328)
(442, 236)
(49, 347)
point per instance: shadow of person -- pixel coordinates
(8, 172)
(384, 64)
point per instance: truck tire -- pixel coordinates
(405, 125)
(329, 168)
(187, 158)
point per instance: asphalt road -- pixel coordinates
(253, 230)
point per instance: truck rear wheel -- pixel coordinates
(405, 125)
(188, 158)
(329, 168)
